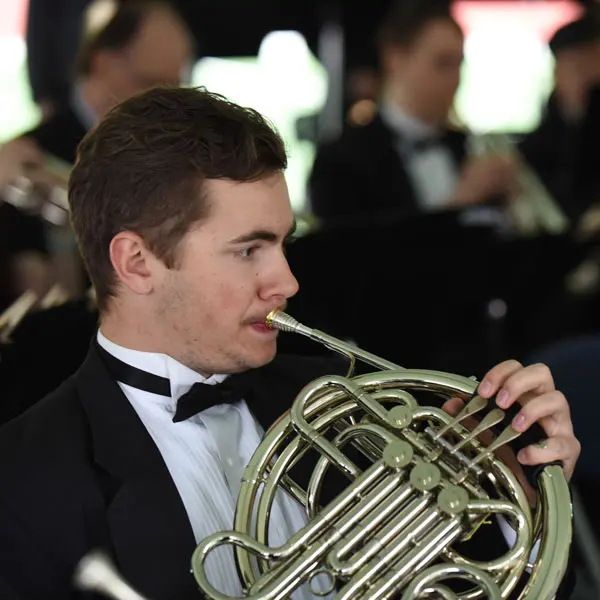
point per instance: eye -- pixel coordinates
(247, 252)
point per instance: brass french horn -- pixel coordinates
(392, 533)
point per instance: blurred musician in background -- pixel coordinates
(143, 43)
(181, 210)
(406, 160)
(51, 49)
(567, 139)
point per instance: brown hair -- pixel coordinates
(407, 19)
(142, 169)
(119, 31)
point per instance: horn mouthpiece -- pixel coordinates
(277, 319)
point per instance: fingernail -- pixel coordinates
(502, 399)
(485, 388)
(519, 422)
(521, 456)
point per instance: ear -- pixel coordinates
(135, 266)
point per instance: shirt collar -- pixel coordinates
(181, 377)
(404, 124)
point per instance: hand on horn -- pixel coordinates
(533, 388)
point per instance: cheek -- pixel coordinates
(232, 297)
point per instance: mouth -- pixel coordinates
(260, 324)
(262, 328)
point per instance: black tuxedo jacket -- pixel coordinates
(361, 175)
(60, 134)
(79, 471)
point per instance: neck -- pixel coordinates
(397, 95)
(96, 96)
(131, 330)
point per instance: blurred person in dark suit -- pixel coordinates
(143, 44)
(560, 148)
(54, 29)
(406, 160)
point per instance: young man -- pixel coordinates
(181, 210)
(407, 161)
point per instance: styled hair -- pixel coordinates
(143, 167)
(406, 20)
(119, 31)
(582, 31)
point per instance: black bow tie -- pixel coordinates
(424, 144)
(199, 397)
(203, 395)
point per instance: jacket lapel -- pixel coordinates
(388, 167)
(149, 530)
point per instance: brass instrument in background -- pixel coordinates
(26, 303)
(15, 313)
(533, 210)
(42, 191)
(392, 532)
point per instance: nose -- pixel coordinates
(282, 283)
(289, 283)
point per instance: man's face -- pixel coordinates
(429, 70)
(576, 70)
(232, 273)
(160, 54)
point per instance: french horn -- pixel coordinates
(424, 483)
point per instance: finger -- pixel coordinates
(533, 379)
(453, 406)
(565, 449)
(550, 410)
(494, 378)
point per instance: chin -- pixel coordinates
(263, 357)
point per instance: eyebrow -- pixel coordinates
(262, 235)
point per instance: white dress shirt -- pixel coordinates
(432, 171)
(206, 456)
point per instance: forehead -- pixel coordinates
(438, 36)
(578, 51)
(245, 206)
(161, 44)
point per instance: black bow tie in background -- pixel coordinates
(198, 398)
(423, 144)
